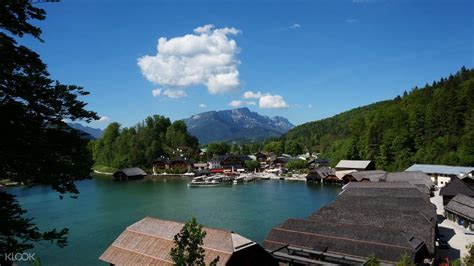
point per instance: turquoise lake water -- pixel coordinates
(105, 208)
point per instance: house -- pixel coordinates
(319, 174)
(280, 161)
(149, 242)
(129, 174)
(368, 218)
(442, 174)
(453, 188)
(359, 165)
(200, 166)
(460, 209)
(160, 164)
(228, 161)
(261, 157)
(180, 163)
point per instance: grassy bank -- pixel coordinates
(104, 169)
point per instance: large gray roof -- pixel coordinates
(456, 186)
(440, 169)
(462, 205)
(135, 171)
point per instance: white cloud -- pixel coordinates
(310, 106)
(252, 95)
(351, 20)
(207, 57)
(295, 26)
(272, 102)
(202, 105)
(239, 103)
(103, 119)
(174, 93)
(156, 92)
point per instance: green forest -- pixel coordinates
(139, 145)
(432, 125)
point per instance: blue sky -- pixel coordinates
(308, 59)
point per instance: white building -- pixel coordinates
(442, 174)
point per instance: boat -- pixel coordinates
(189, 174)
(201, 182)
(238, 179)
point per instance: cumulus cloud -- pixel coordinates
(252, 95)
(310, 106)
(156, 92)
(239, 103)
(206, 57)
(103, 119)
(174, 93)
(202, 105)
(295, 26)
(272, 102)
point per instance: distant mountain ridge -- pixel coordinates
(95, 133)
(235, 125)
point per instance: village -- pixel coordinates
(425, 212)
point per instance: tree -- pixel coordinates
(187, 249)
(405, 260)
(37, 146)
(17, 233)
(372, 261)
(293, 148)
(274, 146)
(296, 164)
(251, 165)
(469, 258)
(218, 148)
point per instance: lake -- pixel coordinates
(105, 208)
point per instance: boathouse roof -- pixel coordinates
(441, 169)
(456, 186)
(414, 178)
(344, 239)
(422, 188)
(372, 175)
(149, 241)
(462, 205)
(135, 171)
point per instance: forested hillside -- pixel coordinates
(434, 124)
(141, 144)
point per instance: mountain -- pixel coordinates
(95, 133)
(433, 125)
(235, 125)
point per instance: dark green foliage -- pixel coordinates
(405, 260)
(276, 147)
(138, 146)
(251, 165)
(434, 125)
(18, 233)
(37, 146)
(469, 258)
(188, 243)
(218, 148)
(296, 164)
(372, 261)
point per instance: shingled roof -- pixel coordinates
(135, 171)
(456, 186)
(414, 177)
(344, 239)
(149, 242)
(462, 205)
(371, 175)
